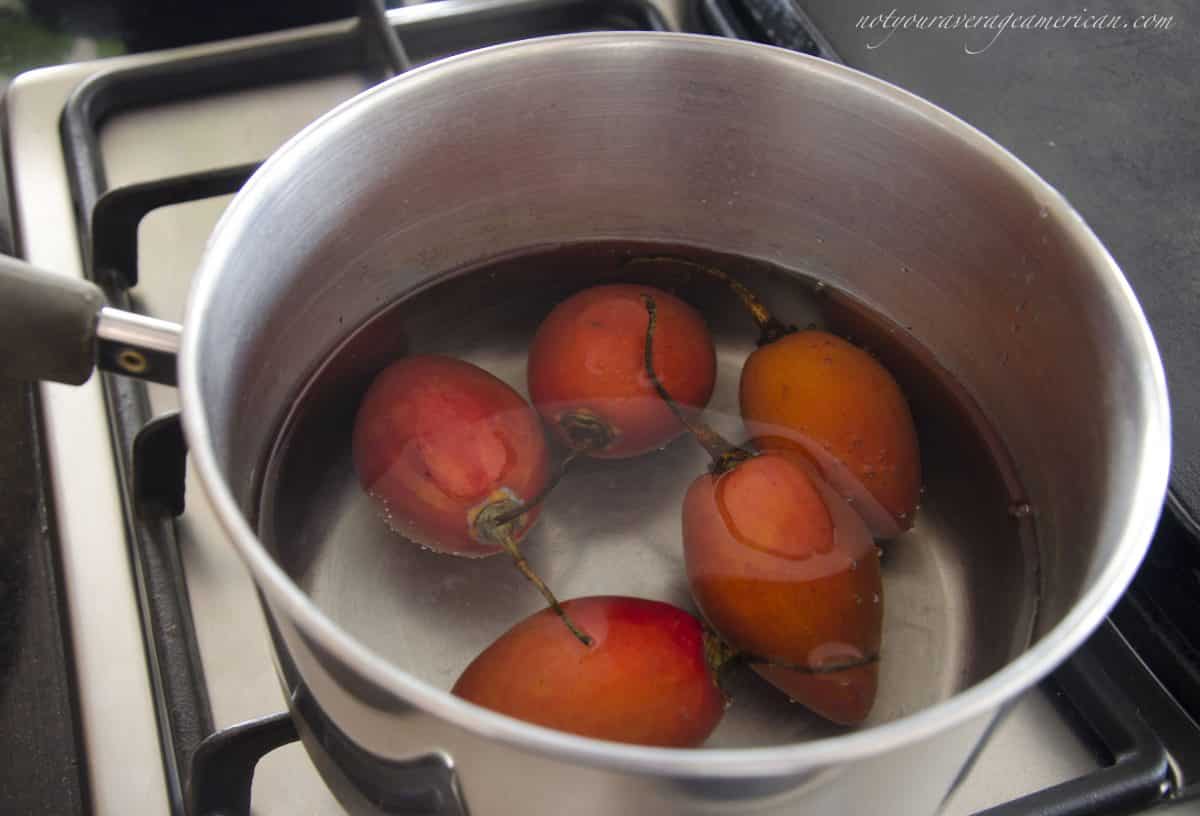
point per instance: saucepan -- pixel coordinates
(354, 244)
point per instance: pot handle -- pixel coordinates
(57, 328)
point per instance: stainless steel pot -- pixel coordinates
(715, 144)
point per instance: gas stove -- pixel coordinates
(119, 169)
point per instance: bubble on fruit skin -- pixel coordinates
(385, 511)
(409, 530)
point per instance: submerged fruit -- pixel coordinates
(815, 392)
(788, 575)
(812, 392)
(645, 679)
(436, 440)
(586, 376)
(456, 459)
(783, 569)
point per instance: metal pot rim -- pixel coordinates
(1040, 659)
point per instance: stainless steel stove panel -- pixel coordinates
(216, 131)
(118, 726)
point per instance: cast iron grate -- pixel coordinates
(1095, 685)
(1161, 613)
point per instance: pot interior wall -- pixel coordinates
(742, 150)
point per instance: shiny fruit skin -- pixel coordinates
(437, 438)
(587, 356)
(811, 387)
(644, 680)
(785, 571)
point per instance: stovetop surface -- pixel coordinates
(1124, 153)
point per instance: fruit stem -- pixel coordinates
(524, 507)
(769, 327)
(724, 455)
(486, 524)
(587, 433)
